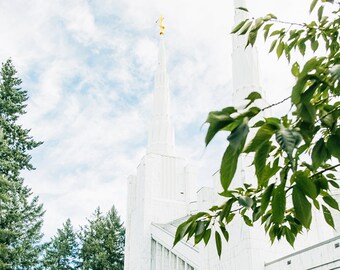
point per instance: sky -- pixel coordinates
(88, 67)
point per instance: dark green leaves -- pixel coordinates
(333, 144)
(226, 209)
(181, 231)
(302, 207)
(305, 184)
(252, 97)
(236, 139)
(218, 243)
(206, 236)
(218, 121)
(278, 204)
(331, 201)
(319, 153)
(266, 197)
(260, 161)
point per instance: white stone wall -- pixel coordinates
(325, 255)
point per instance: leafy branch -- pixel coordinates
(293, 156)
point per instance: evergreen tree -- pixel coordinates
(62, 252)
(20, 214)
(103, 242)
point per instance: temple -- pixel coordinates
(161, 196)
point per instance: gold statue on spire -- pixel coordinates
(161, 25)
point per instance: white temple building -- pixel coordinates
(161, 196)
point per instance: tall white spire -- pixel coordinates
(161, 134)
(244, 61)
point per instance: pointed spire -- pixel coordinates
(161, 134)
(244, 61)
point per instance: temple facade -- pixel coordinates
(161, 196)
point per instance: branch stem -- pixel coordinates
(275, 104)
(325, 170)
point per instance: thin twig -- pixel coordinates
(325, 170)
(277, 103)
(290, 23)
(330, 112)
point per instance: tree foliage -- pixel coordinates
(294, 156)
(62, 252)
(20, 213)
(102, 242)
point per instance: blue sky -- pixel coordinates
(88, 66)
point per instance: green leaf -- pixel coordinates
(226, 209)
(247, 220)
(252, 37)
(302, 47)
(319, 153)
(307, 112)
(298, 89)
(279, 49)
(334, 184)
(236, 140)
(238, 27)
(199, 231)
(290, 237)
(328, 216)
(278, 204)
(225, 233)
(245, 28)
(260, 161)
(296, 69)
(331, 201)
(257, 214)
(266, 197)
(243, 8)
(206, 236)
(315, 45)
(218, 120)
(266, 29)
(218, 243)
(312, 6)
(333, 145)
(264, 133)
(272, 46)
(245, 201)
(254, 96)
(288, 139)
(302, 207)
(320, 13)
(305, 184)
(181, 231)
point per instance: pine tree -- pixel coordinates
(103, 242)
(20, 213)
(62, 252)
